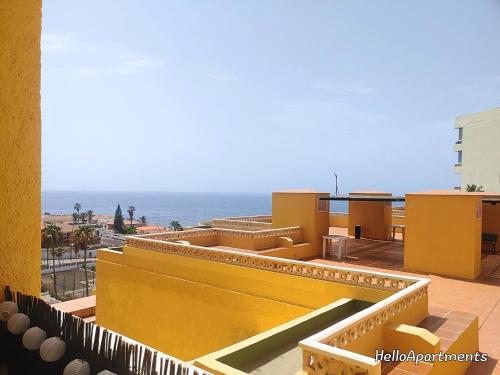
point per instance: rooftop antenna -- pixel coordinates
(336, 184)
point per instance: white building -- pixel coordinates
(478, 149)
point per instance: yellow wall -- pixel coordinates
(299, 251)
(255, 243)
(374, 339)
(375, 218)
(292, 208)
(183, 318)
(20, 154)
(188, 307)
(339, 219)
(443, 234)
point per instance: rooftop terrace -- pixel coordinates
(480, 296)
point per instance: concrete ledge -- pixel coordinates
(80, 307)
(406, 337)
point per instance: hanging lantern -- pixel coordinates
(106, 372)
(52, 349)
(18, 323)
(7, 309)
(77, 367)
(33, 338)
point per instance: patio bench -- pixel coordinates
(490, 239)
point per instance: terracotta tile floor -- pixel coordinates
(480, 297)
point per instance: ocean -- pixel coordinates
(161, 208)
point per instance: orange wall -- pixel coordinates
(301, 208)
(443, 234)
(375, 218)
(339, 219)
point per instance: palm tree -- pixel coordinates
(131, 211)
(90, 215)
(143, 219)
(84, 235)
(176, 226)
(473, 188)
(51, 236)
(75, 219)
(83, 217)
(77, 208)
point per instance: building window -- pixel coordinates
(460, 133)
(459, 157)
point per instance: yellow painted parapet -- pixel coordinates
(443, 233)
(241, 239)
(20, 153)
(404, 338)
(302, 208)
(237, 295)
(352, 342)
(375, 218)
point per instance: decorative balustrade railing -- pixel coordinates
(181, 235)
(325, 349)
(240, 224)
(260, 218)
(321, 359)
(344, 275)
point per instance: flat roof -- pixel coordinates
(364, 198)
(300, 191)
(483, 194)
(369, 192)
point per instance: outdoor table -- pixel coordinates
(328, 241)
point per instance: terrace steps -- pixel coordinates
(453, 329)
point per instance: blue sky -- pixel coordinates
(255, 96)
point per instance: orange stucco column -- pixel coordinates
(443, 233)
(375, 218)
(20, 154)
(302, 208)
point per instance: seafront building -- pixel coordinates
(303, 291)
(478, 151)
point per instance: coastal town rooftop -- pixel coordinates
(228, 310)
